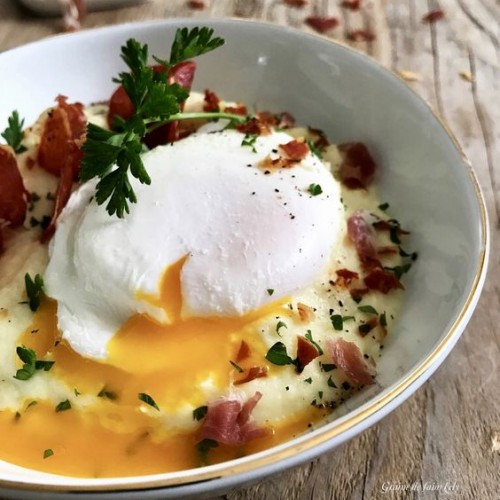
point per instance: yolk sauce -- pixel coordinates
(121, 435)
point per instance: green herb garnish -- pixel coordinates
(107, 394)
(270, 291)
(279, 325)
(113, 155)
(34, 290)
(200, 412)
(383, 319)
(249, 141)
(331, 383)
(314, 150)
(237, 367)
(203, 447)
(337, 322)
(31, 364)
(315, 189)
(63, 406)
(367, 309)
(13, 134)
(310, 338)
(47, 453)
(399, 270)
(278, 355)
(146, 398)
(383, 206)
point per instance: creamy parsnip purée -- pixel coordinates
(198, 296)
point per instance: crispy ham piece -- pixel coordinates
(294, 150)
(59, 152)
(211, 101)
(347, 356)
(362, 235)
(13, 194)
(63, 129)
(243, 352)
(306, 352)
(322, 24)
(121, 106)
(358, 167)
(253, 373)
(229, 422)
(63, 190)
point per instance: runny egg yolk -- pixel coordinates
(121, 436)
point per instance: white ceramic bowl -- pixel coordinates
(424, 176)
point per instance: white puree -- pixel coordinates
(284, 393)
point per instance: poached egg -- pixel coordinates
(216, 234)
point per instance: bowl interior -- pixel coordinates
(422, 174)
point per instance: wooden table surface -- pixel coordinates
(447, 435)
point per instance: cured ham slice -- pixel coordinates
(362, 235)
(63, 129)
(228, 422)
(348, 357)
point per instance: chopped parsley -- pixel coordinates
(146, 398)
(63, 406)
(314, 150)
(399, 270)
(270, 291)
(328, 367)
(367, 309)
(34, 290)
(365, 328)
(337, 322)
(237, 367)
(383, 206)
(308, 380)
(107, 394)
(310, 338)
(315, 189)
(30, 363)
(200, 412)
(47, 453)
(383, 319)
(249, 141)
(331, 383)
(279, 325)
(13, 134)
(203, 447)
(278, 355)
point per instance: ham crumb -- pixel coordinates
(298, 4)
(433, 16)
(196, 5)
(351, 4)
(322, 24)
(361, 36)
(306, 313)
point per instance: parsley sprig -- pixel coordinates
(13, 134)
(112, 156)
